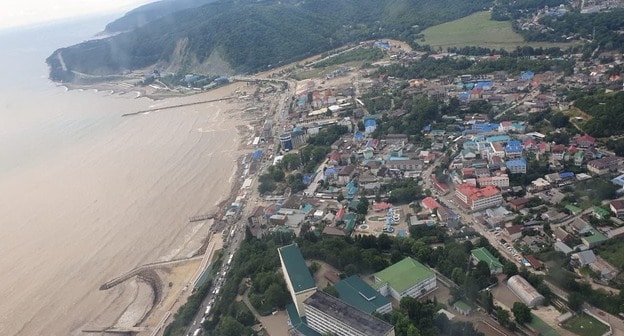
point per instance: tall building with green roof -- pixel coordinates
(408, 277)
(297, 276)
(354, 291)
(482, 254)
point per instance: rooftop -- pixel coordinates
(296, 268)
(403, 275)
(482, 254)
(354, 291)
(364, 323)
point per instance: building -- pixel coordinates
(482, 254)
(476, 198)
(593, 238)
(516, 166)
(617, 207)
(517, 204)
(585, 141)
(297, 276)
(357, 293)
(430, 204)
(604, 165)
(408, 277)
(524, 291)
(501, 181)
(326, 314)
(514, 232)
(462, 307)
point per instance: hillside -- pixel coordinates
(251, 36)
(142, 15)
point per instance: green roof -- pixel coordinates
(349, 221)
(403, 275)
(542, 327)
(600, 211)
(354, 291)
(296, 268)
(573, 209)
(298, 322)
(462, 306)
(482, 254)
(594, 236)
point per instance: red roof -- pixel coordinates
(514, 229)
(586, 137)
(381, 206)
(535, 263)
(430, 203)
(474, 193)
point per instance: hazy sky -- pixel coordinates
(14, 13)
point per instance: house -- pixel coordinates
(345, 175)
(517, 204)
(603, 165)
(583, 258)
(534, 262)
(585, 141)
(430, 204)
(514, 232)
(600, 213)
(408, 277)
(462, 307)
(617, 207)
(593, 238)
(562, 247)
(482, 254)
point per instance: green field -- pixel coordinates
(585, 325)
(542, 327)
(478, 30)
(613, 253)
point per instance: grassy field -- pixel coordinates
(478, 30)
(613, 253)
(585, 325)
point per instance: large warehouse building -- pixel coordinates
(525, 291)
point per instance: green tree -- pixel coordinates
(331, 290)
(575, 301)
(362, 206)
(228, 326)
(510, 269)
(522, 313)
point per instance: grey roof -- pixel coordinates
(353, 317)
(561, 246)
(585, 257)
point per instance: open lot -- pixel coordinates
(613, 252)
(585, 325)
(479, 30)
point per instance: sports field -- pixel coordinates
(585, 325)
(478, 30)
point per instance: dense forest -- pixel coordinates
(606, 110)
(252, 36)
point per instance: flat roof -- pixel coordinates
(365, 323)
(595, 236)
(296, 268)
(354, 291)
(403, 275)
(482, 254)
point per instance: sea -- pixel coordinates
(86, 194)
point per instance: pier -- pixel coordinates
(116, 281)
(201, 217)
(176, 106)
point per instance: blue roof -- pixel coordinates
(527, 75)
(513, 148)
(427, 128)
(464, 96)
(257, 154)
(330, 171)
(370, 122)
(498, 138)
(566, 174)
(516, 162)
(358, 136)
(486, 126)
(484, 84)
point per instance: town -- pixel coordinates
(485, 189)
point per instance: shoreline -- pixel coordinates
(244, 135)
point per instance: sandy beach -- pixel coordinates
(117, 195)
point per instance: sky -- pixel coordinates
(17, 13)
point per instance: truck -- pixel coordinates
(208, 308)
(197, 331)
